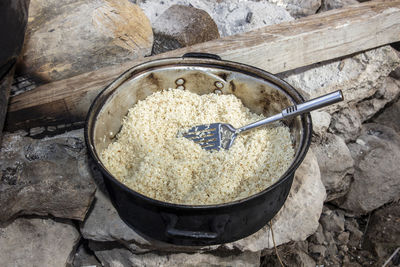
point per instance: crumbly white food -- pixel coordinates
(148, 157)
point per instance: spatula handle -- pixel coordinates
(299, 109)
(313, 104)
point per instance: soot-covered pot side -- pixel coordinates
(187, 224)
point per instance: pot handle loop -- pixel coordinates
(172, 231)
(201, 55)
(191, 234)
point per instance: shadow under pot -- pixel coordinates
(196, 225)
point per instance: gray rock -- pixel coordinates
(296, 221)
(302, 245)
(84, 257)
(351, 263)
(123, 257)
(37, 242)
(321, 121)
(329, 237)
(48, 176)
(390, 116)
(347, 123)
(318, 237)
(181, 26)
(234, 17)
(383, 233)
(335, 163)
(231, 17)
(299, 8)
(291, 255)
(334, 4)
(343, 238)
(343, 249)
(356, 235)
(334, 222)
(376, 177)
(104, 224)
(301, 259)
(332, 252)
(317, 251)
(387, 92)
(396, 73)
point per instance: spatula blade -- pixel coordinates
(206, 135)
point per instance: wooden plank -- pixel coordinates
(275, 48)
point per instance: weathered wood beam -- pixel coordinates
(275, 48)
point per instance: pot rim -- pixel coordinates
(252, 71)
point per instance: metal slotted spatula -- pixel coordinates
(221, 135)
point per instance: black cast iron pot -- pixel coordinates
(195, 225)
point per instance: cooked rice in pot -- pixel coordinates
(148, 157)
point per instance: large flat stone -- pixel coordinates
(123, 257)
(103, 224)
(37, 242)
(45, 177)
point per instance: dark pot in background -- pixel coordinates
(13, 18)
(199, 225)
